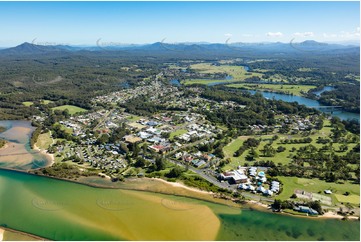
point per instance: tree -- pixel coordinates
(175, 172)
(319, 124)
(140, 162)
(159, 163)
(268, 151)
(276, 204)
(103, 139)
(316, 205)
(136, 150)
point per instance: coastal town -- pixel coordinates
(118, 142)
(180, 121)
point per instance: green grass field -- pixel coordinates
(72, 109)
(282, 157)
(28, 104)
(354, 199)
(237, 72)
(44, 141)
(46, 102)
(133, 118)
(177, 133)
(316, 185)
(296, 90)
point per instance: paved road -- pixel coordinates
(224, 185)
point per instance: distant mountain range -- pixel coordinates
(204, 48)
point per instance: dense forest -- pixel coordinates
(67, 75)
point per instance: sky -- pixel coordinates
(118, 23)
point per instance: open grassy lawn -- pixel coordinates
(354, 199)
(316, 185)
(281, 157)
(28, 104)
(72, 109)
(237, 72)
(46, 102)
(177, 133)
(44, 141)
(278, 78)
(296, 90)
(133, 118)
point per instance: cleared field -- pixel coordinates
(28, 104)
(133, 118)
(72, 109)
(354, 199)
(44, 141)
(315, 186)
(177, 133)
(304, 69)
(237, 72)
(296, 90)
(278, 78)
(46, 102)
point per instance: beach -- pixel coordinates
(50, 157)
(1, 234)
(177, 184)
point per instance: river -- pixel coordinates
(307, 102)
(18, 154)
(62, 210)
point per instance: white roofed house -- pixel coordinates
(261, 189)
(268, 193)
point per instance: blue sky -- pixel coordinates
(115, 23)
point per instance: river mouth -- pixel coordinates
(17, 153)
(78, 212)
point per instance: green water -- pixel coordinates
(59, 210)
(256, 225)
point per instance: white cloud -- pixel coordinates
(247, 35)
(329, 35)
(304, 34)
(228, 35)
(345, 34)
(274, 34)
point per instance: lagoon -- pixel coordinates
(18, 154)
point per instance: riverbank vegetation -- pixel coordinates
(297, 90)
(2, 143)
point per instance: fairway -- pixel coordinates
(297, 90)
(28, 104)
(72, 109)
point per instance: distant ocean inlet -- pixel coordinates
(62, 210)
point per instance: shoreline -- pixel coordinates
(35, 237)
(252, 203)
(178, 184)
(45, 152)
(5, 146)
